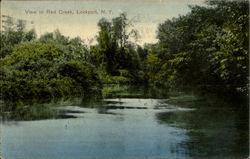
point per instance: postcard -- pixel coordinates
(124, 79)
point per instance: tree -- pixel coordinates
(36, 70)
(114, 52)
(14, 34)
(207, 49)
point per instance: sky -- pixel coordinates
(80, 17)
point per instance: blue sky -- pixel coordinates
(147, 14)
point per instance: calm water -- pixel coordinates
(127, 125)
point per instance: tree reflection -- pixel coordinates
(213, 130)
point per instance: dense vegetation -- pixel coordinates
(205, 50)
(114, 55)
(50, 67)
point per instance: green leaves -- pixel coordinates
(14, 34)
(208, 48)
(114, 52)
(152, 58)
(37, 70)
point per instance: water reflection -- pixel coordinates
(214, 130)
(118, 133)
(129, 123)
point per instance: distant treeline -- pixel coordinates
(205, 50)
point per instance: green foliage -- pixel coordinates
(37, 70)
(124, 78)
(14, 34)
(207, 49)
(72, 48)
(152, 60)
(30, 51)
(114, 52)
(83, 73)
(231, 56)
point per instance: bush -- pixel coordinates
(36, 70)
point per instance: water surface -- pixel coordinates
(128, 126)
